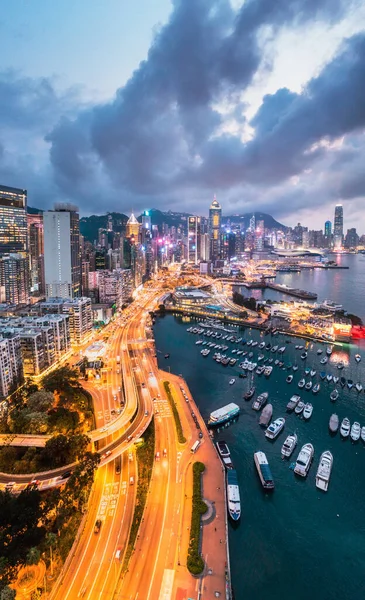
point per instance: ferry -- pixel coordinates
(260, 401)
(324, 471)
(225, 454)
(224, 414)
(304, 460)
(289, 445)
(263, 470)
(233, 495)
(275, 428)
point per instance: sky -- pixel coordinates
(121, 106)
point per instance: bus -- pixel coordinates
(195, 446)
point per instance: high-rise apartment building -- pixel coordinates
(36, 252)
(13, 221)
(194, 240)
(215, 217)
(62, 257)
(338, 227)
(259, 236)
(14, 279)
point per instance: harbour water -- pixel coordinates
(296, 541)
(343, 286)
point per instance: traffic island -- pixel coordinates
(179, 429)
(194, 561)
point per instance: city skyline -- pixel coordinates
(231, 107)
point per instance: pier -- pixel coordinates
(303, 294)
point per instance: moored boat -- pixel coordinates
(358, 386)
(355, 431)
(263, 470)
(295, 367)
(289, 445)
(223, 415)
(350, 384)
(357, 357)
(299, 408)
(307, 411)
(342, 381)
(316, 388)
(336, 379)
(329, 351)
(329, 377)
(301, 383)
(363, 434)
(334, 395)
(292, 403)
(313, 372)
(268, 371)
(249, 394)
(345, 428)
(304, 355)
(322, 375)
(265, 416)
(260, 401)
(308, 385)
(333, 423)
(275, 428)
(324, 470)
(304, 460)
(225, 454)
(233, 495)
(289, 379)
(324, 360)
(232, 381)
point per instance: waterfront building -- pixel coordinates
(36, 253)
(215, 217)
(338, 227)
(194, 240)
(62, 257)
(13, 221)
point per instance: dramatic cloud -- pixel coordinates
(177, 130)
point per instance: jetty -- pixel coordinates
(284, 289)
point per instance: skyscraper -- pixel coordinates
(36, 252)
(62, 265)
(338, 227)
(328, 229)
(13, 221)
(194, 240)
(14, 275)
(215, 216)
(133, 228)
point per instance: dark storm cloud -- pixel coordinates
(156, 135)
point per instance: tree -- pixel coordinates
(7, 593)
(63, 379)
(35, 422)
(40, 401)
(51, 542)
(33, 556)
(56, 452)
(63, 420)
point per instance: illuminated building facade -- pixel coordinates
(194, 240)
(36, 252)
(132, 227)
(13, 221)
(338, 227)
(215, 217)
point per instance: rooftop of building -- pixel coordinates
(132, 220)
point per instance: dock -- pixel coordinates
(284, 289)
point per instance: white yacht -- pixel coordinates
(307, 412)
(289, 445)
(233, 495)
(260, 401)
(358, 386)
(355, 431)
(334, 395)
(304, 460)
(301, 383)
(345, 428)
(263, 470)
(275, 428)
(289, 379)
(324, 360)
(324, 471)
(308, 385)
(329, 377)
(363, 434)
(299, 408)
(268, 371)
(232, 381)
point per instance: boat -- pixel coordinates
(363, 434)
(350, 384)
(223, 415)
(268, 371)
(263, 469)
(289, 379)
(307, 371)
(335, 379)
(295, 367)
(301, 383)
(274, 348)
(232, 381)
(289, 445)
(299, 408)
(342, 381)
(254, 344)
(262, 345)
(260, 401)
(304, 460)
(340, 365)
(322, 375)
(316, 388)
(313, 373)
(276, 362)
(233, 495)
(307, 412)
(242, 375)
(324, 360)
(266, 415)
(304, 355)
(355, 431)
(268, 346)
(260, 357)
(333, 423)
(293, 402)
(300, 347)
(282, 349)
(275, 428)
(198, 342)
(232, 361)
(205, 352)
(358, 386)
(249, 394)
(252, 366)
(225, 454)
(308, 385)
(329, 377)
(334, 395)
(345, 428)
(167, 355)
(329, 351)
(270, 360)
(250, 354)
(324, 470)
(357, 357)
(319, 351)
(249, 343)
(260, 370)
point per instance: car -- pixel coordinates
(97, 526)
(129, 438)
(158, 395)
(103, 429)
(165, 452)
(131, 481)
(34, 483)
(115, 396)
(106, 454)
(157, 456)
(112, 412)
(119, 389)
(9, 485)
(118, 553)
(200, 434)
(143, 385)
(130, 456)
(146, 413)
(66, 475)
(118, 371)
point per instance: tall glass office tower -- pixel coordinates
(338, 227)
(13, 221)
(215, 216)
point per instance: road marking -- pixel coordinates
(167, 584)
